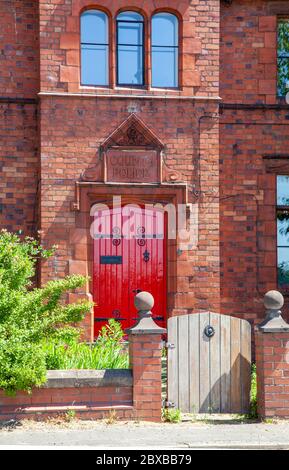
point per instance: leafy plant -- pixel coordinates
(253, 413)
(283, 62)
(28, 316)
(112, 417)
(70, 415)
(106, 353)
(283, 274)
(171, 415)
(253, 394)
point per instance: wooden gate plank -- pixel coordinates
(183, 366)
(204, 364)
(215, 363)
(235, 365)
(194, 361)
(173, 373)
(225, 366)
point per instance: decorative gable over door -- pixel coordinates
(133, 132)
(131, 154)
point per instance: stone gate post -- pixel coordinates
(272, 360)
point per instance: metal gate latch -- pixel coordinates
(209, 331)
(169, 404)
(170, 346)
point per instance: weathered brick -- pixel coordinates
(273, 396)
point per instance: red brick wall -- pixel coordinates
(248, 51)
(19, 167)
(272, 359)
(19, 83)
(87, 402)
(74, 126)
(248, 207)
(247, 134)
(19, 53)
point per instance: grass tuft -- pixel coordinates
(106, 353)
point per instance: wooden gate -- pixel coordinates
(209, 363)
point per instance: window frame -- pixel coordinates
(178, 47)
(108, 45)
(143, 47)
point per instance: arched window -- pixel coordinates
(130, 49)
(165, 50)
(94, 48)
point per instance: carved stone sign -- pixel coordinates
(132, 166)
(131, 154)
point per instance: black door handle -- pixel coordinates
(137, 291)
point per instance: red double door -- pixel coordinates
(129, 257)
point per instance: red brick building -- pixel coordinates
(87, 113)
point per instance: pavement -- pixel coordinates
(207, 433)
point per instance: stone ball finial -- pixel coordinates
(144, 301)
(273, 300)
(145, 325)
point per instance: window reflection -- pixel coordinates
(130, 49)
(283, 191)
(94, 48)
(165, 50)
(283, 230)
(283, 56)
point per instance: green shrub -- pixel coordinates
(106, 353)
(70, 415)
(253, 394)
(28, 316)
(171, 415)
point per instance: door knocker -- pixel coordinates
(146, 256)
(209, 331)
(116, 314)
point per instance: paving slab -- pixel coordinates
(205, 434)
